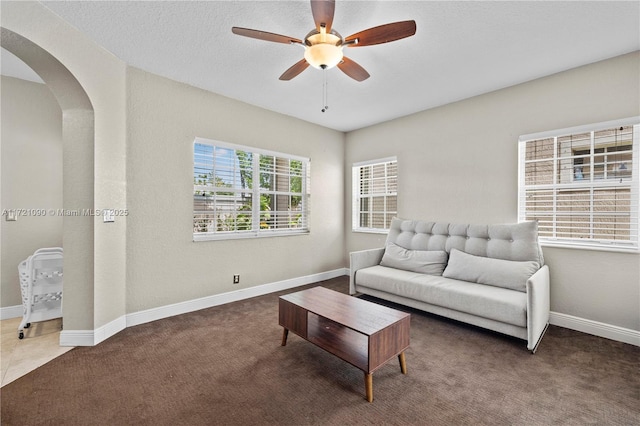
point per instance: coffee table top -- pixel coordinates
(360, 315)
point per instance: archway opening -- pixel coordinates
(78, 176)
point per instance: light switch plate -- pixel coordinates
(108, 215)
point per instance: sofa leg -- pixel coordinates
(535, 348)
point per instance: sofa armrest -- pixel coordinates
(362, 259)
(538, 306)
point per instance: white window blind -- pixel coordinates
(375, 194)
(581, 185)
(227, 179)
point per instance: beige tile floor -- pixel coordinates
(40, 345)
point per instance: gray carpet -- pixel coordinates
(225, 366)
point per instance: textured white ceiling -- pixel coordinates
(461, 49)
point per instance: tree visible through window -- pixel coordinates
(375, 194)
(581, 185)
(228, 178)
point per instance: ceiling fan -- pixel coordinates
(323, 45)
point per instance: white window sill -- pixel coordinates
(246, 235)
(370, 231)
(593, 247)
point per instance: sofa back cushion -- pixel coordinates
(509, 274)
(422, 261)
(517, 241)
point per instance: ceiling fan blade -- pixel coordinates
(353, 70)
(382, 34)
(263, 35)
(296, 69)
(323, 11)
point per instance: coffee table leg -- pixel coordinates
(368, 386)
(403, 363)
(285, 333)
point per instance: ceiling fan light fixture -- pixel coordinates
(323, 56)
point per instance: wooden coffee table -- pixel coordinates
(362, 333)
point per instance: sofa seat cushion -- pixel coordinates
(486, 301)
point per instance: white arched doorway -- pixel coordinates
(78, 176)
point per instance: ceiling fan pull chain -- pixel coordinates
(325, 103)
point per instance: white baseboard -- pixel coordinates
(149, 315)
(77, 338)
(595, 328)
(10, 312)
(93, 337)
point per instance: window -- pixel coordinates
(581, 184)
(375, 194)
(227, 179)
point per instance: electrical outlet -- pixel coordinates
(236, 279)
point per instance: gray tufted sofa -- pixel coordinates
(491, 276)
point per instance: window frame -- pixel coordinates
(255, 191)
(592, 184)
(357, 196)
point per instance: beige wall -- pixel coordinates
(164, 265)
(140, 134)
(459, 163)
(31, 143)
